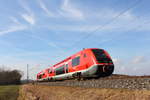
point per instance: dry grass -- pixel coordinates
(39, 92)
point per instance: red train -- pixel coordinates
(88, 63)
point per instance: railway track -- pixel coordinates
(114, 81)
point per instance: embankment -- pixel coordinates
(41, 92)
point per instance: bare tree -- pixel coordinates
(10, 77)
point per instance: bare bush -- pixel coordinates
(10, 77)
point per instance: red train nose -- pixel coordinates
(105, 70)
(108, 68)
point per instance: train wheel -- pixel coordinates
(104, 71)
(79, 76)
(108, 71)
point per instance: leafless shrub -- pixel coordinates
(10, 76)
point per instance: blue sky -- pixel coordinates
(43, 32)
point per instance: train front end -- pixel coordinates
(104, 63)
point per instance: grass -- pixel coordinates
(79, 93)
(9, 92)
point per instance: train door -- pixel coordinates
(67, 70)
(76, 63)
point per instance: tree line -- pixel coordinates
(10, 77)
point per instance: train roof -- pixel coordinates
(74, 55)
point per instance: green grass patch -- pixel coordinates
(9, 92)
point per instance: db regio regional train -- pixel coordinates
(87, 63)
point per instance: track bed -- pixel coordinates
(113, 81)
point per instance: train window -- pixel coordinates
(60, 70)
(101, 56)
(76, 61)
(84, 55)
(40, 76)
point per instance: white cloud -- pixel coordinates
(139, 59)
(110, 14)
(108, 20)
(115, 60)
(14, 20)
(79, 28)
(127, 16)
(29, 18)
(128, 21)
(47, 42)
(47, 11)
(68, 10)
(11, 29)
(119, 66)
(133, 66)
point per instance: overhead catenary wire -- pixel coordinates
(135, 28)
(100, 27)
(107, 23)
(91, 33)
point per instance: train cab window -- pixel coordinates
(101, 56)
(76, 61)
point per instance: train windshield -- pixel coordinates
(101, 56)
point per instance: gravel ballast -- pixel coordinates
(125, 83)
